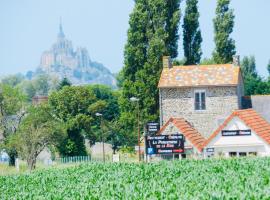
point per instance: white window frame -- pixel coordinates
(200, 92)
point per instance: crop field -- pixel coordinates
(246, 178)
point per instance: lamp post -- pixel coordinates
(134, 99)
(102, 134)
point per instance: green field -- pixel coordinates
(246, 178)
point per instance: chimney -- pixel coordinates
(167, 62)
(236, 60)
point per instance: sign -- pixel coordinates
(210, 150)
(236, 132)
(152, 127)
(165, 144)
(116, 158)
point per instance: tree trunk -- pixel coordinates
(31, 162)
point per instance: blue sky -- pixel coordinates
(29, 27)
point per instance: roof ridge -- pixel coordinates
(210, 65)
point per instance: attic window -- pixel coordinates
(199, 100)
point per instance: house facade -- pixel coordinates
(243, 133)
(204, 95)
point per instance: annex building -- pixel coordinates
(206, 104)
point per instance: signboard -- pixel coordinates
(165, 144)
(152, 127)
(236, 132)
(116, 158)
(210, 150)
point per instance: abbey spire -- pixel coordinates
(61, 32)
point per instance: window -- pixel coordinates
(232, 154)
(200, 100)
(241, 154)
(252, 153)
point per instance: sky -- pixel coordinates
(29, 27)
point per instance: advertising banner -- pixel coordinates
(165, 144)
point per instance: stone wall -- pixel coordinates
(179, 102)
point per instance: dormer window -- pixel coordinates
(199, 98)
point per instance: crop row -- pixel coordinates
(246, 178)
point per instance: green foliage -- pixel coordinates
(207, 61)
(153, 33)
(76, 106)
(41, 84)
(246, 178)
(254, 84)
(177, 62)
(192, 38)
(12, 102)
(109, 99)
(71, 104)
(29, 89)
(223, 27)
(248, 67)
(39, 129)
(268, 69)
(63, 83)
(13, 80)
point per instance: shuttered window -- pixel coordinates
(200, 100)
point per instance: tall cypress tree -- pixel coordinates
(153, 33)
(223, 27)
(134, 59)
(192, 34)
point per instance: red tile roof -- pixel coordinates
(199, 75)
(190, 133)
(252, 119)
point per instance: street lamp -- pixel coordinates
(102, 134)
(134, 99)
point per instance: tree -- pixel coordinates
(207, 61)
(248, 67)
(76, 106)
(28, 88)
(223, 27)
(105, 93)
(192, 34)
(42, 85)
(153, 33)
(12, 103)
(254, 84)
(116, 137)
(268, 68)
(63, 83)
(13, 80)
(38, 130)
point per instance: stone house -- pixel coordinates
(204, 95)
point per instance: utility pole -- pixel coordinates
(102, 135)
(134, 99)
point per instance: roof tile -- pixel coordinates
(199, 75)
(190, 133)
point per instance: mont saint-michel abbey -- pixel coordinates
(62, 53)
(63, 61)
